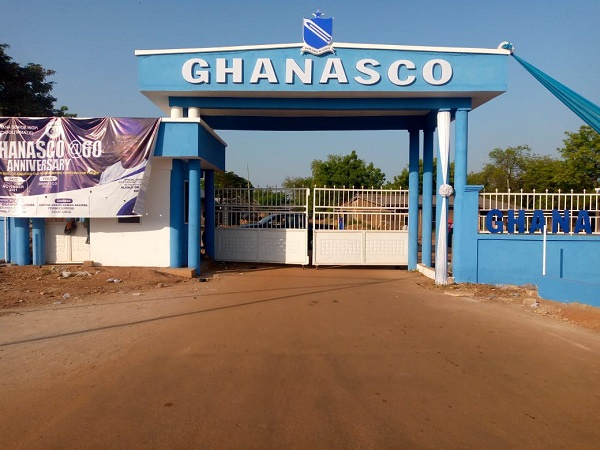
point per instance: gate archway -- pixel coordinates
(358, 87)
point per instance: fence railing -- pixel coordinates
(563, 212)
(267, 207)
(360, 209)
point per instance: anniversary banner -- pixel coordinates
(65, 167)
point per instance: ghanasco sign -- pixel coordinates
(318, 39)
(367, 71)
(63, 167)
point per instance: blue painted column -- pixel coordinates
(4, 239)
(177, 211)
(38, 238)
(12, 240)
(413, 199)
(461, 137)
(469, 257)
(21, 257)
(427, 196)
(195, 219)
(209, 213)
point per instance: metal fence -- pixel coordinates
(360, 209)
(261, 207)
(547, 202)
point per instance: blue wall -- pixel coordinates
(572, 262)
(189, 140)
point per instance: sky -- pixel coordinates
(91, 47)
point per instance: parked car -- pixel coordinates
(295, 221)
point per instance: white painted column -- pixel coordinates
(176, 112)
(445, 190)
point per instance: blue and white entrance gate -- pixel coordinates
(347, 227)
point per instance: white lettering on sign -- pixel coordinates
(403, 72)
(361, 66)
(445, 70)
(236, 70)
(191, 74)
(263, 70)
(395, 69)
(334, 70)
(292, 68)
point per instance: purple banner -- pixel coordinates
(63, 167)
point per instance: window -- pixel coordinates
(137, 219)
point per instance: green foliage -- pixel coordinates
(297, 182)
(542, 173)
(507, 166)
(517, 168)
(581, 155)
(230, 180)
(348, 171)
(25, 90)
(401, 181)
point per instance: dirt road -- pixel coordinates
(281, 358)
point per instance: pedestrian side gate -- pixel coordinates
(267, 225)
(360, 227)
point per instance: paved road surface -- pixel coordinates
(286, 358)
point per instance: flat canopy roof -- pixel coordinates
(359, 86)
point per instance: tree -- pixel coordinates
(230, 180)
(348, 171)
(401, 181)
(297, 182)
(581, 155)
(25, 90)
(543, 173)
(506, 169)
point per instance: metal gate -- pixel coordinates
(262, 225)
(360, 227)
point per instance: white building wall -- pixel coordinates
(144, 244)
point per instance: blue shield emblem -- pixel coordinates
(317, 34)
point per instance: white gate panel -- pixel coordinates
(283, 246)
(349, 247)
(80, 250)
(263, 225)
(62, 248)
(360, 226)
(338, 247)
(387, 248)
(261, 245)
(58, 248)
(235, 244)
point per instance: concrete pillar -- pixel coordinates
(427, 196)
(413, 199)
(466, 269)
(177, 227)
(461, 130)
(195, 219)
(4, 239)
(194, 113)
(38, 238)
(22, 256)
(12, 240)
(209, 213)
(438, 198)
(176, 112)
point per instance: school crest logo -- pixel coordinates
(318, 34)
